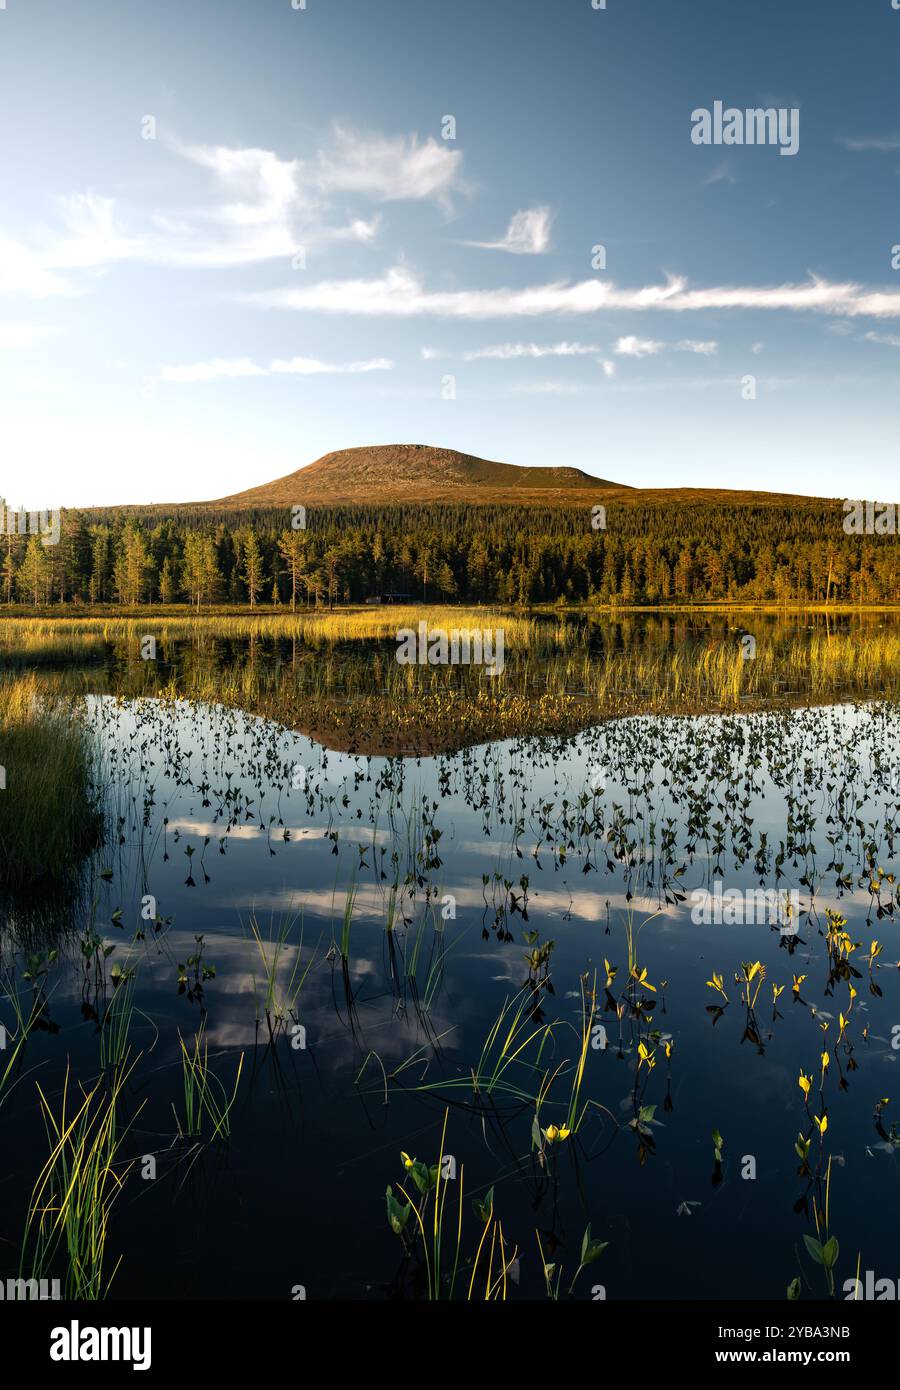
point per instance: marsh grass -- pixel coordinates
(278, 955)
(204, 1093)
(49, 812)
(117, 1025)
(72, 1200)
(334, 674)
(26, 1016)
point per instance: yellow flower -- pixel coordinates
(804, 1082)
(668, 1047)
(825, 1062)
(716, 984)
(822, 1124)
(798, 981)
(556, 1133)
(407, 1161)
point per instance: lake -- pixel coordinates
(333, 945)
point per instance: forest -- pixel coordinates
(648, 554)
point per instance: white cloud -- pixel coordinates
(721, 174)
(704, 349)
(637, 347)
(93, 235)
(254, 206)
(506, 352)
(23, 335)
(888, 339)
(39, 385)
(401, 294)
(885, 143)
(24, 271)
(386, 168)
(547, 388)
(225, 367)
(528, 234)
(608, 368)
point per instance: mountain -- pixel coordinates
(390, 473)
(420, 474)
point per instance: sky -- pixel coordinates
(236, 235)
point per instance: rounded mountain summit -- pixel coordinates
(417, 473)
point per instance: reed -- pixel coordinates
(204, 1093)
(73, 1197)
(276, 953)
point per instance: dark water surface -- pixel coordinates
(458, 867)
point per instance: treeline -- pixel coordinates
(685, 552)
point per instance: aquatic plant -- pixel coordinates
(73, 1197)
(204, 1093)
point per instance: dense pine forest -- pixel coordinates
(647, 554)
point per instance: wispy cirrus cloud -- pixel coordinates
(528, 234)
(888, 339)
(222, 368)
(702, 348)
(507, 352)
(254, 206)
(885, 143)
(399, 293)
(721, 174)
(386, 168)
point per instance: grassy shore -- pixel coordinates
(59, 615)
(333, 674)
(48, 812)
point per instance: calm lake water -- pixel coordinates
(457, 868)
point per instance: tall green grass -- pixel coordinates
(49, 812)
(72, 1200)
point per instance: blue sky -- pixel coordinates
(300, 261)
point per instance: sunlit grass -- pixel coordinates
(48, 806)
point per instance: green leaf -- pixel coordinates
(423, 1176)
(397, 1215)
(591, 1249)
(830, 1252)
(484, 1210)
(793, 1291)
(815, 1249)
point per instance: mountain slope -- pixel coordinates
(385, 473)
